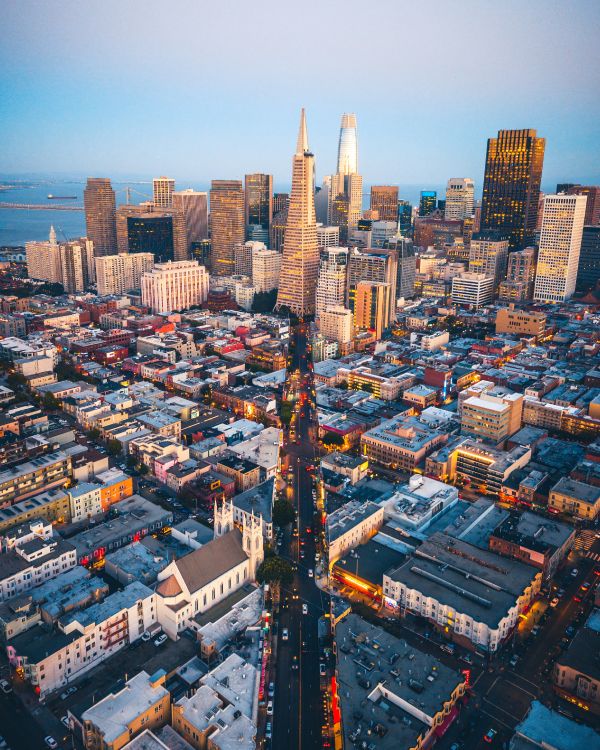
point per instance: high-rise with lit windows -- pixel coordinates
(258, 206)
(560, 245)
(331, 284)
(511, 185)
(460, 195)
(384, 200)
(194, 206)
(300, 264)
(226, 224)
(162, 191)
(100, 215)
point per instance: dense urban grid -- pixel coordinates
(283, 471)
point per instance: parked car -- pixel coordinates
(554, 602)
(514, 661)
(270, 708)
(268, 730)
(304, 609)
(574, 573)
(311, 573)
(162, 638)
(489, 735)
(322, 670)
(51, 742)
(146, 636)
(271, 689)
(65, 720)
(5, 686)
(448, 648)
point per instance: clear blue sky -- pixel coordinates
(200, 90)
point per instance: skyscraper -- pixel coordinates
(72, 265)
(588, 273)
(427, 202)
(560, 245)
(117, 274)
(331, 284)
(194, 206)
(347, 161)
(174, 286)
(280, 202)
(226, 223)
(520, 275)
(162, 191)
(592, 208)
(371, 304)
(101, 215)
(43, 259)
(511, 185)
(488, 255)
(300, 262)
(373, 265)
(460, 195)
(146, 229)
(258, 204)
(407, 266)
(404, 217)
(384, 200)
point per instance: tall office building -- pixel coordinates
(588, 272)
(258, 204)
(511, 185)
(460, 196)
(371, 303)
(194, 207)
(118, 274)
(520, 275)
(300, 263)
(174, 286)
(226, 223)
(43, 259)
(384, 200)
(373, 265)
(406, 266)
(347, 161)
(559, 248)
(146, 229)
(266, 268)
(472, 289)
(242, 254)
(404, 217)
(322, 200)
(278, 230)
(332, 279)
(592, 207)
(427, 202)
(100, 215)
(328, 236)
(488, 255)
(162, 192)
(280, 202)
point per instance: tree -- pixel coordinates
(143, 469)
(285, 412)
(113, 447)
(333, 439)
(264, 301)
(275, 571)
(94, 433)
(49, 401)
(16, 380)
(283, 513)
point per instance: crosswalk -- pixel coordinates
(595, 556)
(584, 541)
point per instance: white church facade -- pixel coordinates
(200, 580)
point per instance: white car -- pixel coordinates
(311, 573)
(305, 609)
(65, 721)
(2, 742)
(51, 742)
(5, 686)
(285, 634)
(161, 639)
(270, 708)
(146, 636)
(574, 573)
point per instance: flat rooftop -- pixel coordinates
(351, 514)
(369, 657)
(114, 603)
(370, 561)
(587, 493)
(545, 728)
(534, 532)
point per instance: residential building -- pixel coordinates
(327, 236)
(174, 286)
(300, 263)
(488, 254)
(520, 276)
(401, 442)
(470, 595)
(142, 704)
(352, 524)
(100, 215)
(374, 265)
(545, 729)
(194, 207)
(344, 464)
(525, 322)
(576, 499)
(337, 324)
(559, 248)
(29, 478)
(118, 274)
(52, 505)
(332, 279)
(266, 268)
(226, 224)
(162, 191)
(511, 185)
(371, 305)
(43, 260)
(460, 195)
(384, 200)
(406, 268)
(576, 671)
(345, 203)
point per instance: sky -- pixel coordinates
(203, 90)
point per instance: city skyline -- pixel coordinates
(88, 112)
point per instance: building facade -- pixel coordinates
(226, 224)
(460, 195)
(174, 286)
(100, 215)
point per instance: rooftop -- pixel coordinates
(370, 561)
(546, 728)
(102, 611)
(535, 532)
(351, 514)
(579, 490)
(257, 500)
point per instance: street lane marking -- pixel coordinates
(512, 716)
(495, 718)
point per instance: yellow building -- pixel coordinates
(575, 499)
(371, 303)
(144, 703)
(509, 320)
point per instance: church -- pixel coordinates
(203, 578)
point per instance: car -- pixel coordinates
(5, 686)
(65, 720)
(270, 708)
(467, 658)
(570, 631)
(146, 636)
(448, 648)
(535, 630)
(295, 662)
(576, 598)
(322, 670)
(584, 586)
(162, 638)
(554, 602)
(455, 746)
(489, 735)
(268, 730)
(305, 609)
(311, 573)
(271, 689)
(514, 661)
(285, 634)
(51, 742)
(574, 573)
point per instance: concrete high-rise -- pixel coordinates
(226, 224)
(559, 248)
(520, 275)
(406, 266)
(100, 215)
(72, 266)
(588, 272)
(384, 200)
(511, 185)
(328, 236)
(347, 161)
(43, 260)
(332, 280)
(592, 208)
(337, 324)
(258, 203)
(371, 303)
(373, 265)
(117, 274)
(170, 287)
(266, 268)
(162, 191)
(472, 289)
(460, 196)
(194, 207)
(488, 254)
(280, 202)
(300, 263)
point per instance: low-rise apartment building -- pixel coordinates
(352, 524)
(31, 477)
(401, 442)
(576, 499)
